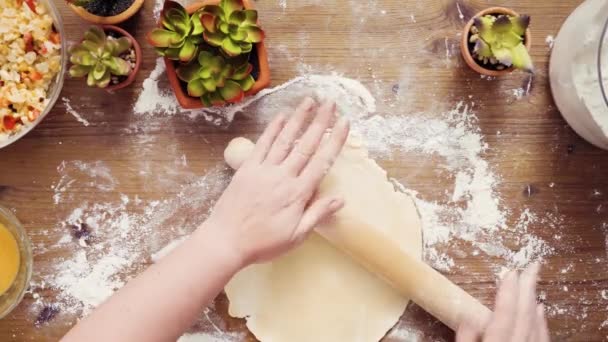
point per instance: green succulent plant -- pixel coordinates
(230, 27)
(499, 40)
(215, 80)
(98, 58)
(180, 35)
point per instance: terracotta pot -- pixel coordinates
(112, 20)
(189, 102)
(466, 33)
(138, 57)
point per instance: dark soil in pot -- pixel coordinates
(108, 8)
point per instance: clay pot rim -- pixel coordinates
(188, 102)
(464, 44)
(138, 57)
(111, 20)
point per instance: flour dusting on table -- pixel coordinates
(112, 240)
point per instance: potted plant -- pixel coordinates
(105, 12)
(108, 57)
(214, 51)
(496, 41)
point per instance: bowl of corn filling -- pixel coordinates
(33, 58)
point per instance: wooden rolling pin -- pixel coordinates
(380, 255)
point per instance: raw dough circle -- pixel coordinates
(316, 293)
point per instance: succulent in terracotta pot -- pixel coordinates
(107, 56)
(105, 12)
(497, 41)
(224, 35)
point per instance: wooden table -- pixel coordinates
(543, 164)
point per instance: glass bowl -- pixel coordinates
(11, 298)
(57, 84)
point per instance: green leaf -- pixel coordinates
(210, 85)
(247, 83)
(123, 44)
(232, 92)
(94, 47)
(214, 10)
(224, 27)
(484, 25)
(254, 34)
(502, 24)
(188, 72)
(237, 18)
(230, 48)
(163, 38)
(242, 72)
(239, 35)
(520, 24)
(172, 53)
(521, 58)
(503, 55)
(105, 80)
(214, 39)
(482, 49)
(215, 99)
(95, 34)
(91, 80)
(209, 22)
(204, 58)
(230, 6)
(246, 47)
(79, 70)
(251, 17)
(188, 51)
(195, 88)
(118, 66)
(83, 57)
(509, 39)
(206, 101)
(197, 25)
(99, 70)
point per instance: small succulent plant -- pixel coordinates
(180, 35)
(215, 80)
(230, 27)
(499, 41)
(98, 58)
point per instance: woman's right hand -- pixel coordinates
(517, 317)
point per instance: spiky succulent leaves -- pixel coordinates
(502, 38)
(98, 58)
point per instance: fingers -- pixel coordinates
(501, 326)
(325, 156)
(541, 334)
(310, 141)
(467, 333)
(525, 321)
(318, 211)
(284, 142)
(267, 138)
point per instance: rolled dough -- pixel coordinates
(317, 293)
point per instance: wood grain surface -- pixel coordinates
(542, 163)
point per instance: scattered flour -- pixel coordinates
(73, 112)
(550, 40)
(127, 231)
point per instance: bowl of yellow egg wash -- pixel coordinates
(15, 262)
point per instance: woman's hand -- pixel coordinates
(517, 317)
(270, 205)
